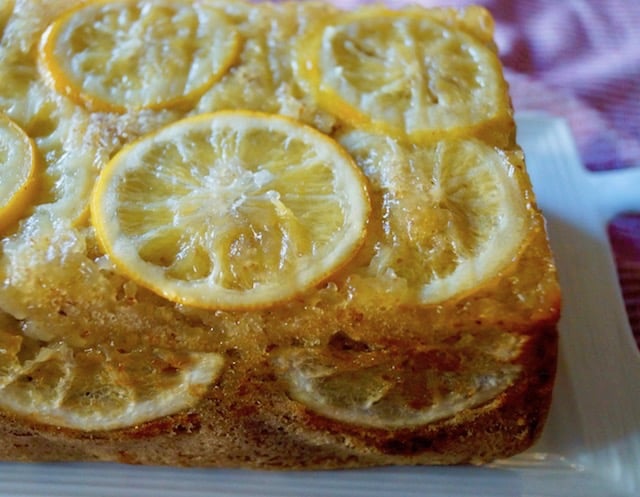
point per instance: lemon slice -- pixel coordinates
(391, 389)
(69, 158)
(18, 166)
(402, 73)
(121, 55)
(462, 217)
(231, 210)
(98, 389)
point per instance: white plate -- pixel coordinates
(591, 444)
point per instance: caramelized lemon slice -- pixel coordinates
(390, 389)
(18, 166)
(402, 73)
(99, 389)
(123, 54)
(462, 218)
(231, 210)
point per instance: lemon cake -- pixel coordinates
(265, 235)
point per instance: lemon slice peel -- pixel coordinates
(388, 72)
(262, 226)
(463, 220)
(371, 389)
(70, 59)
(47, 389)
(18, 172)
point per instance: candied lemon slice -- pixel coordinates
(462, 219)
(99, 389)
(121, 55)
(18, 164)
(231, 210)
(389, 389)
(402, 73)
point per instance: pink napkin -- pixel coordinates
(579, 59)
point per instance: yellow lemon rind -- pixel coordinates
(58, 79)
(12, 208)
(308, 71)
(205, 294)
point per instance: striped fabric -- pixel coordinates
(624, 233)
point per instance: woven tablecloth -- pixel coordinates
(578, 59)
